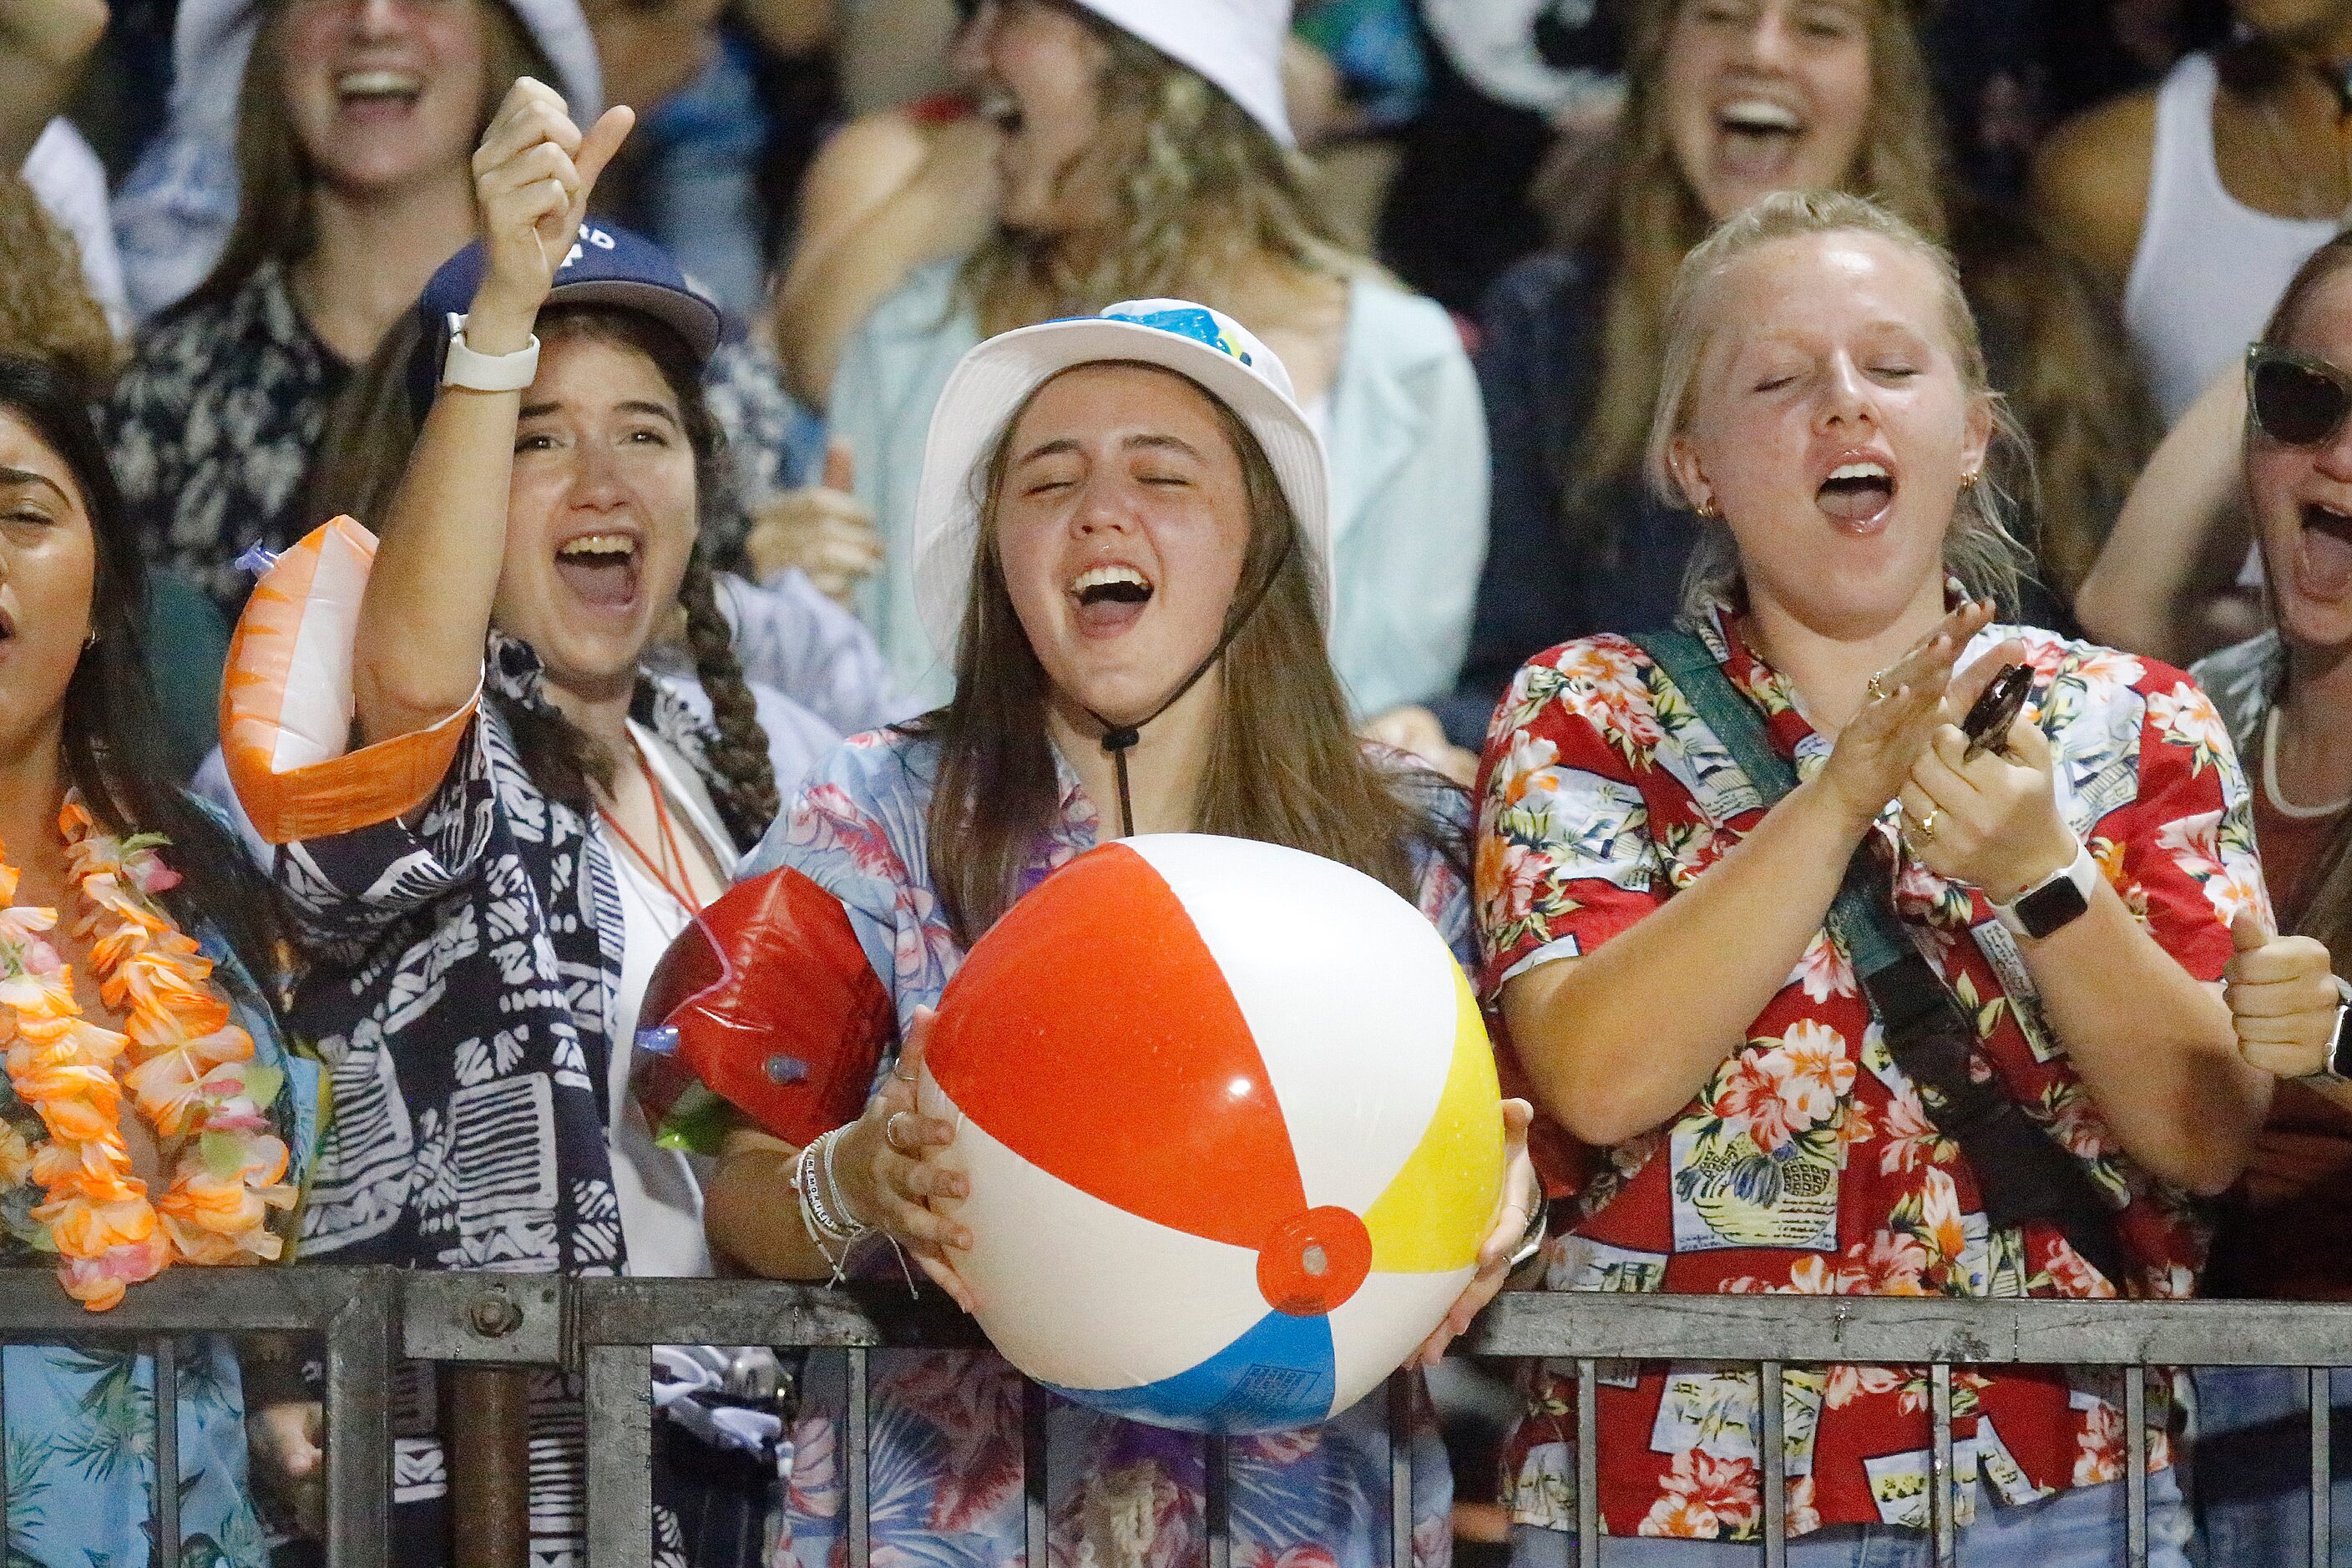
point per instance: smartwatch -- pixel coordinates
(2339, 1050)
(2054, 901)
(487, 372)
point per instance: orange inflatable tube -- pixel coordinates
(286, 705)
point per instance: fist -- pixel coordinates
(532, 176)
(2282, 999)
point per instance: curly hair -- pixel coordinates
(1200, 189)
(46, 311)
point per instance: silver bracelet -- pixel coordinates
(840, 1200)
(824, 1224)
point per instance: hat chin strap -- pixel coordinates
(1119, 738)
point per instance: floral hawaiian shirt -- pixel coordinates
(1807, 1164)
(946, 1426)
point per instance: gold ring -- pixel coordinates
(902, 1076)
(1925, 829)
(1878, 692)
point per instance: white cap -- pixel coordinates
(1236, 44)
(178, 203)
(990, 384)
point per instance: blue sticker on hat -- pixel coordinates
(1194, 321)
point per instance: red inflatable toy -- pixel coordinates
(765, 1003)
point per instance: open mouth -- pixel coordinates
(379, 89)
(1110, 598)
(1757, 137)
(2323, 552)
(601, 568)
(1857, 495)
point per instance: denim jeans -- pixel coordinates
(2251, 1473)
(2079, 1529)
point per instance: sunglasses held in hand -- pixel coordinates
(2296, 400)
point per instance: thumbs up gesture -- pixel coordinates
(823, 529)
(532, 176)
(2283, 998)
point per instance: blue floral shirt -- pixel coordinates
(81, 1418)
(946, 1426)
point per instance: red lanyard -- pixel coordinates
(683, 894)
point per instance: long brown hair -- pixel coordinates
(1201, 189)
(371, 430)
(274, 174)
(1284, 768)
(2327, 913)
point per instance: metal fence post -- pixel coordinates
(359, 1426)
(620, 1456)
(2323, 1463)
(166, 1406)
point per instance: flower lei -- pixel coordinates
(186, 1065)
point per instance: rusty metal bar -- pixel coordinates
(487, 1417)
(1588, 1464)
(620, 1440)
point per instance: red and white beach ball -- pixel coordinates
(1233, 1131)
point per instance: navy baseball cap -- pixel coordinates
(607, 265)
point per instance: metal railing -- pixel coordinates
(605, 1329)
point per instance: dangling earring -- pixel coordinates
(1969, 481)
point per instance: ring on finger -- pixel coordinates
(1878, 687)
(1924, 828)
(890, 1134)
(902, 1076)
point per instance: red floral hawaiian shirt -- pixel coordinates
(1806, 1163)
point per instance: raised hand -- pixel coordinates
(2282, 999)
(532, 176)
(1875, 750)
(1991, 820)
(823, 529)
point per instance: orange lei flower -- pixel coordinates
(188, 1067)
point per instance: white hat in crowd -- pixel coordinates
(177, 205)
(990, 383)
(1236, 44)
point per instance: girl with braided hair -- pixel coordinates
(477, 959)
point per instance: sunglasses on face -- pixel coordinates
(2296, 400)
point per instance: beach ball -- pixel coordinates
(1231, 1121)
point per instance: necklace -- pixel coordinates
(2279, 803)
(187, 1067)
(682, 891)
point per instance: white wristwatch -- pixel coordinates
(2056, 900)
(487, 372)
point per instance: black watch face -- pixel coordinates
(2046, 909)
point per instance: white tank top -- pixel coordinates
(2209, 267)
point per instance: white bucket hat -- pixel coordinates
(990, 384)
(179, 203)
(1236, 44)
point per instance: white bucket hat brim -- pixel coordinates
(1236, 44)
(992, 382)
